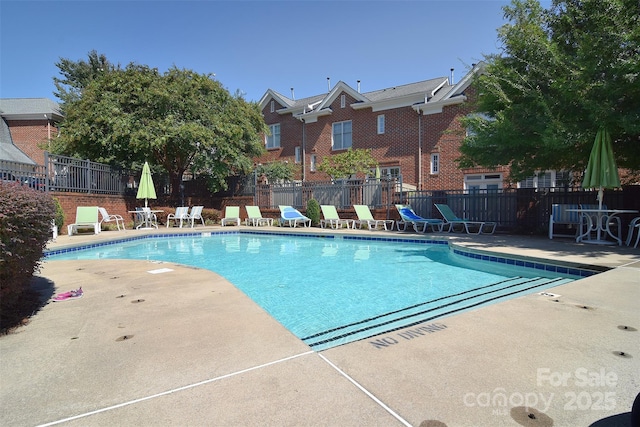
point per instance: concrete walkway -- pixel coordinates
(186, 348)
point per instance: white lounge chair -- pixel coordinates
(292, 217)
(452, 220)
(196, 214)
(331, 217)
(231, 214)
(410, 217)
(365, 217)
(255, 218)
(86, 217)
(106, 217)
(181, 214)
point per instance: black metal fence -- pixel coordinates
(67, 174)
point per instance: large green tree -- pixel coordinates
(563, 72)
(179, 120)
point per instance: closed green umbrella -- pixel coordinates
(146, 190)
(602, 171)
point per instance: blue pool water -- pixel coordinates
(329, 291)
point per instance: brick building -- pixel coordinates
(27, 125)
(413, 130)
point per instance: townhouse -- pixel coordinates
(412, 130)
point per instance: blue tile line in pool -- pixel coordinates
(555, 268)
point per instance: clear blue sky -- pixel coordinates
(250, 45)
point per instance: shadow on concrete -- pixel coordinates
(30, 302)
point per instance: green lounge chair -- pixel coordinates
(332, 218)
(410, 217)
(255, 218)
(231, 214)
(365, 217)
(86, 217)
(453, 221)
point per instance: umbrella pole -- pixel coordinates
(600, 197)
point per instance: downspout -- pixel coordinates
(304, 151)
(419, 150)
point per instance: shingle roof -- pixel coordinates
(29, 108)
(8, 151)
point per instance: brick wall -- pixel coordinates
(442, 133)
(115, 205)
(31, 137)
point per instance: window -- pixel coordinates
(341, 136)
(483, 182)
(547, 179)
(435, 164)
(273, 106)
(343, 101)
(312, 166)
(273, 140)
(298, 155)
(392, 172)
(380, 124)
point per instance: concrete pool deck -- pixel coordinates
(185, 347)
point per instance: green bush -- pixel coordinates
(25, 229)
(313, 211)
(59, 217)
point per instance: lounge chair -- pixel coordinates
(111, 218)
(292, 217)
(255, 218)
(332, 218)
(410, 217)
(86, 217)
(452, 220)
(231, 214)
(196, 213)
(181, 214)
(365, 217)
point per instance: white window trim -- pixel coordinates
(434, 168)
(273, 106)
(343, 101)
(343, 147)
(483, 180)
(274, 143)
(312, 163)
(298, 154)
(381, 124)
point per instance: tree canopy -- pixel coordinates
(562, 74)
(179, 120)
(348, 163)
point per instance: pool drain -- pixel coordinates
(627, 328)
(530, 417)
(622, 354)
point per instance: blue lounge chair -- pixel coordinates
(292, 217)
(410, 217)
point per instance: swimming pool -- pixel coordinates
(330, 290)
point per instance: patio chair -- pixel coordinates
(148, 219)
(196, 213)
(408, 216)
(365, 217)
(332, 218)
(453, 221)
(292, 217)
(106, 217)
(255, 218)
(86, 217)
(231, 214)
(181, 214)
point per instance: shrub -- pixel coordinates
(59, 217)
(313, 211)
(25, 229)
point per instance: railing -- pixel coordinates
(67, 174)
(342, 194)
